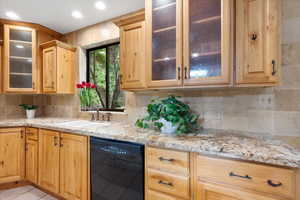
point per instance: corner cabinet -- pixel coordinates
(189, 43)
(258, 41)
(132, 43)
(58, 67)
(20, 68)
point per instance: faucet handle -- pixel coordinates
(98, 114)
(93, 117)
(108, 116)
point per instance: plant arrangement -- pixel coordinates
(85, 94)
(171, 110)
(28, 107)
(30, 110)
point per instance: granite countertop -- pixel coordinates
(228, 144)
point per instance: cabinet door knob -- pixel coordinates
(273, 67)
(253, 36)
(55, 141)
(22, 134)
(185, 72)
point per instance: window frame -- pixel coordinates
(106, 47)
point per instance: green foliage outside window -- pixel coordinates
(104, 72)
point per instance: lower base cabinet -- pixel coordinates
(12, 159)
(63, 164)
(49, 160)
(31, 149)
(74, 167)
(31, 161)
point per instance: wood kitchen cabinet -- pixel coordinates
(258, 31)
(12, 160)
(167, 174)
(207, 191)
(48, 176)
(63, 164)
(74, 167)
(132, 44)
(217, 178)
(58, 67)
(31, 148)
(1, 64)
(189, 43)
(20, 68)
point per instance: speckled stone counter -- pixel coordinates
(228, 144)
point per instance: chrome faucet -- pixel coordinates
(104, 116)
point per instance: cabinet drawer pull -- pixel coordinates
(179, 77)
(270, 182)
(165, 183)
(239, 176)
(1, 162)
(162, 159)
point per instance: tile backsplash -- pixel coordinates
(262, 110)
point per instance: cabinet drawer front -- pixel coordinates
(32, 133)
(168, 183)
(261, 178)
(152, 195)
(168, 160)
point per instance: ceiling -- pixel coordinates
(57, 14)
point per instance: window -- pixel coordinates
(103, 70)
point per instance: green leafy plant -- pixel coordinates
(172, 110)
(28, 107)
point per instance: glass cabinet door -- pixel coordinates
(164, 46)
(207, 48)
(20, 59)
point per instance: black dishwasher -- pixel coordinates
(117, 170)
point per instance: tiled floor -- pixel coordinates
(24, 193)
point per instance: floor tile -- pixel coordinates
(24, 193)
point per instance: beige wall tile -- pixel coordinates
(287, 123)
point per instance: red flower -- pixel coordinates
(78, 86)
(88, 85)
(93, 86)
(83, 83)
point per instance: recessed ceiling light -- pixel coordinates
(76, 14)
(12, 15)
(20, 46)
(100, 5)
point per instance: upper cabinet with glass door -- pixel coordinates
(208, 37)
(189, 42)
(164, 42)
(19, 59)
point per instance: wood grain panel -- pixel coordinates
(48, 176)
